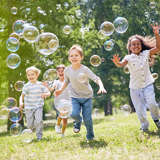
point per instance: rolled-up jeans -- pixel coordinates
(139, 98)
(84, 105)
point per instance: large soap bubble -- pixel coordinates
(107, 28)
(30, 34)
(126, 70)
(47, 43)
(12, 44)
(13, 61)
(27, 135)
(10, 102)
(15, 115)
(18, 26)
(95, 60)
(64, 108)
(15, 129)
(120, 24)
(50, 75)
(67, 29)
(155, 75)
(14, 10)
(18, 86)
(109, 44)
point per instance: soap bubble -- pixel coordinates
(67, 29)
(15, 115)
(64, 108)
(47, 43)
(107, 28)
(82, 78)
(125, 108)
(120, 24)
(19, 86)
(14, 10)
(78, 13)
(109, 44)
(95, 60)
(30, 34)
(10, 102)
(18, 26)
(12, 44)
(15, 35)
(155, 75)
(126, 70)
(152, 5)
(50, 75)
(15, 129)
(13, 61)
(27, 135)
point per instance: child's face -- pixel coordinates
(135, 46)
(60, 72)
(75, 57)
(32, 76)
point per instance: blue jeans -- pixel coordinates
(145, 97)
(84, 104)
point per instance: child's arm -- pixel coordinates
(156, 29)
(50, 89)
(116, 61)
(58, 92)
(46, 93)
(21, 100)
(101, 87)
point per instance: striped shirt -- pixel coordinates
(32, 95)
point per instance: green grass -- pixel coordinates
(116, 138)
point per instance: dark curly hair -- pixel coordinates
(146, 42)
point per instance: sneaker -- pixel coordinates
(157, 123)
(144, 130)
(76, 130)
(62, 135)
(57, 129)
(39, 139)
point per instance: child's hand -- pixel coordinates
(101, 90)
(156, 28)
(44, 95)
(57, 93)
(116, 59)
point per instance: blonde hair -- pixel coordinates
(78, 48)
(60, 66)
(34, 69)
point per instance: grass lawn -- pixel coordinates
(117, 137)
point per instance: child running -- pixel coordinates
(78, 75)
(61, 100)
(32, 99)
(140, 49)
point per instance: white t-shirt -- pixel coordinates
(65, 95)
(138, 65)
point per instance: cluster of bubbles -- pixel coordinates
(107, 28)
(13, 114)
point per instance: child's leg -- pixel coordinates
(64, 125)
(152, 104)
(76, 109)
(39, 122)
(137, 97)
(87, 117)
(59, 121)
(29, 113)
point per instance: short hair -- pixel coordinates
(60, 66)
(34, 69)
(77, 47)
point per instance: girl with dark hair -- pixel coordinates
(142, 93)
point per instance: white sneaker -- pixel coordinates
(57, 129)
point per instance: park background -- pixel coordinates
(54, 16)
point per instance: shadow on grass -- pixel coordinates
(3, 134)
(152, 133)
(93, 144)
